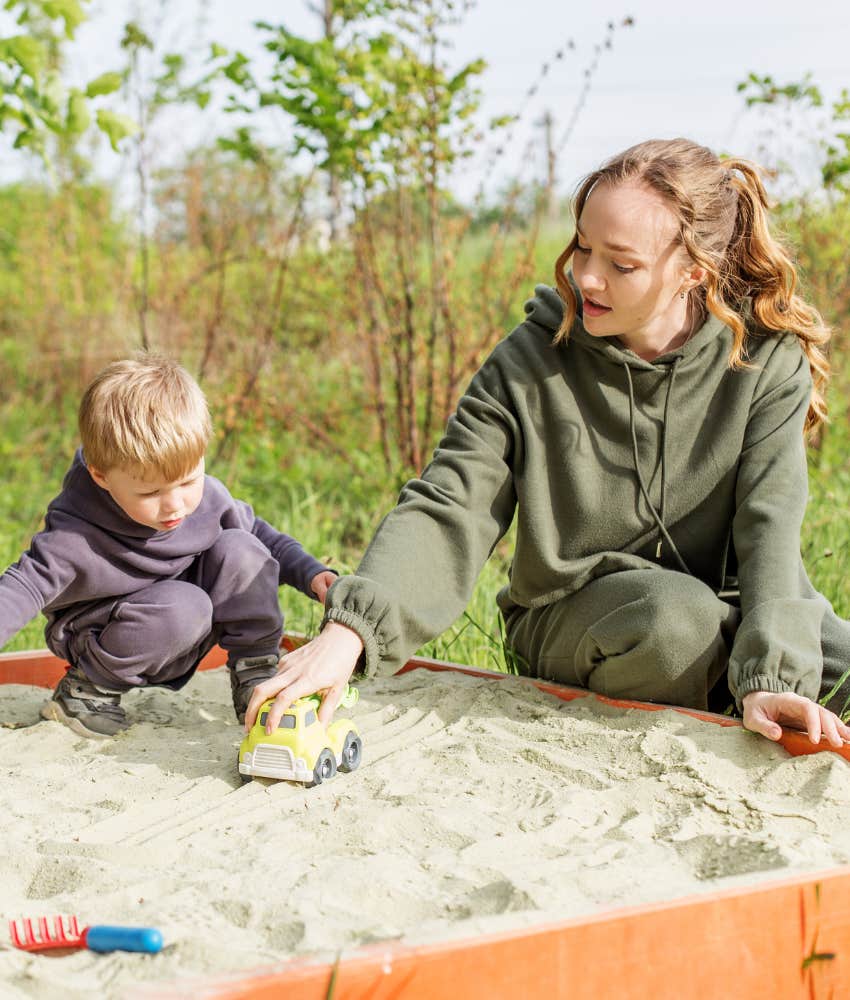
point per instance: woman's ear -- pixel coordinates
(694, 276)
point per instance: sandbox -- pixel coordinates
(503, 837)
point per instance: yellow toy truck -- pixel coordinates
(301, 748)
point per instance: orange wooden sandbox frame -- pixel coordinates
(784, 938)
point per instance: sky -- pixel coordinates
(674, 72)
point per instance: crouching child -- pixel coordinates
(145, 563)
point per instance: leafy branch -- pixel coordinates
(806, 96)
(34, 103)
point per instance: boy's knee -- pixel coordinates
(239, 552)
(179, 613)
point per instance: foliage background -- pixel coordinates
(331, 293)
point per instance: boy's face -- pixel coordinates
(153, 501)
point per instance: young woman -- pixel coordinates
(646, 421)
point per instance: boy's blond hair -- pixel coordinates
(144, 415)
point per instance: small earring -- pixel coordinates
(682, 294)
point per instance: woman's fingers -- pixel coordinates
(758, 717)
(830, 728)
(299, 687)
(331, 700)
(323, 665)
(761, 723)
(766, 713)
(269, 688)
(812, 720)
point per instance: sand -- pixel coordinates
(480, 806)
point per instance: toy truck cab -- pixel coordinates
(301, 748)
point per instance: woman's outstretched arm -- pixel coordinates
(419, 570)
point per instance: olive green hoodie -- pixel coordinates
(564, 435)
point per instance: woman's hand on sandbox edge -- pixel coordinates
(324, 665)
(766, 713)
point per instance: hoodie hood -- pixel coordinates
(546, 310)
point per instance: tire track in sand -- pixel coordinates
(210, 802)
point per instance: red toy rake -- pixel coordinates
(43, 933)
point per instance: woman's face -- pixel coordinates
(631, 269)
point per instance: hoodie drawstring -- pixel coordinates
(664, 534)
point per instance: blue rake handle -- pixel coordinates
(102, 937)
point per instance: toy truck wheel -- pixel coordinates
(244, 778)
(352, 752)
(325, 768)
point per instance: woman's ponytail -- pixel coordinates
(760, 267)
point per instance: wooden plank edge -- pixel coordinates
(788, 939)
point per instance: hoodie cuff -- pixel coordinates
(760, 682)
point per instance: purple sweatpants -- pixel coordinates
(158, 635)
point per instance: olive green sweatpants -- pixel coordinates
(651, 635)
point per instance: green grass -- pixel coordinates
(333, 507)
(826, 530)
(334, 523)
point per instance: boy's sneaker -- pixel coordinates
(245, 674)
(85, 708)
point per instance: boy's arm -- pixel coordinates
(297, 567)
(28, 585)
(19, 604)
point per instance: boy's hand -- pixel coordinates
(320, 584)
(323, 665)
(766, 712)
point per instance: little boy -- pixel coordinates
(145, 562)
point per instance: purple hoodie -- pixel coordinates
(90, 550)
